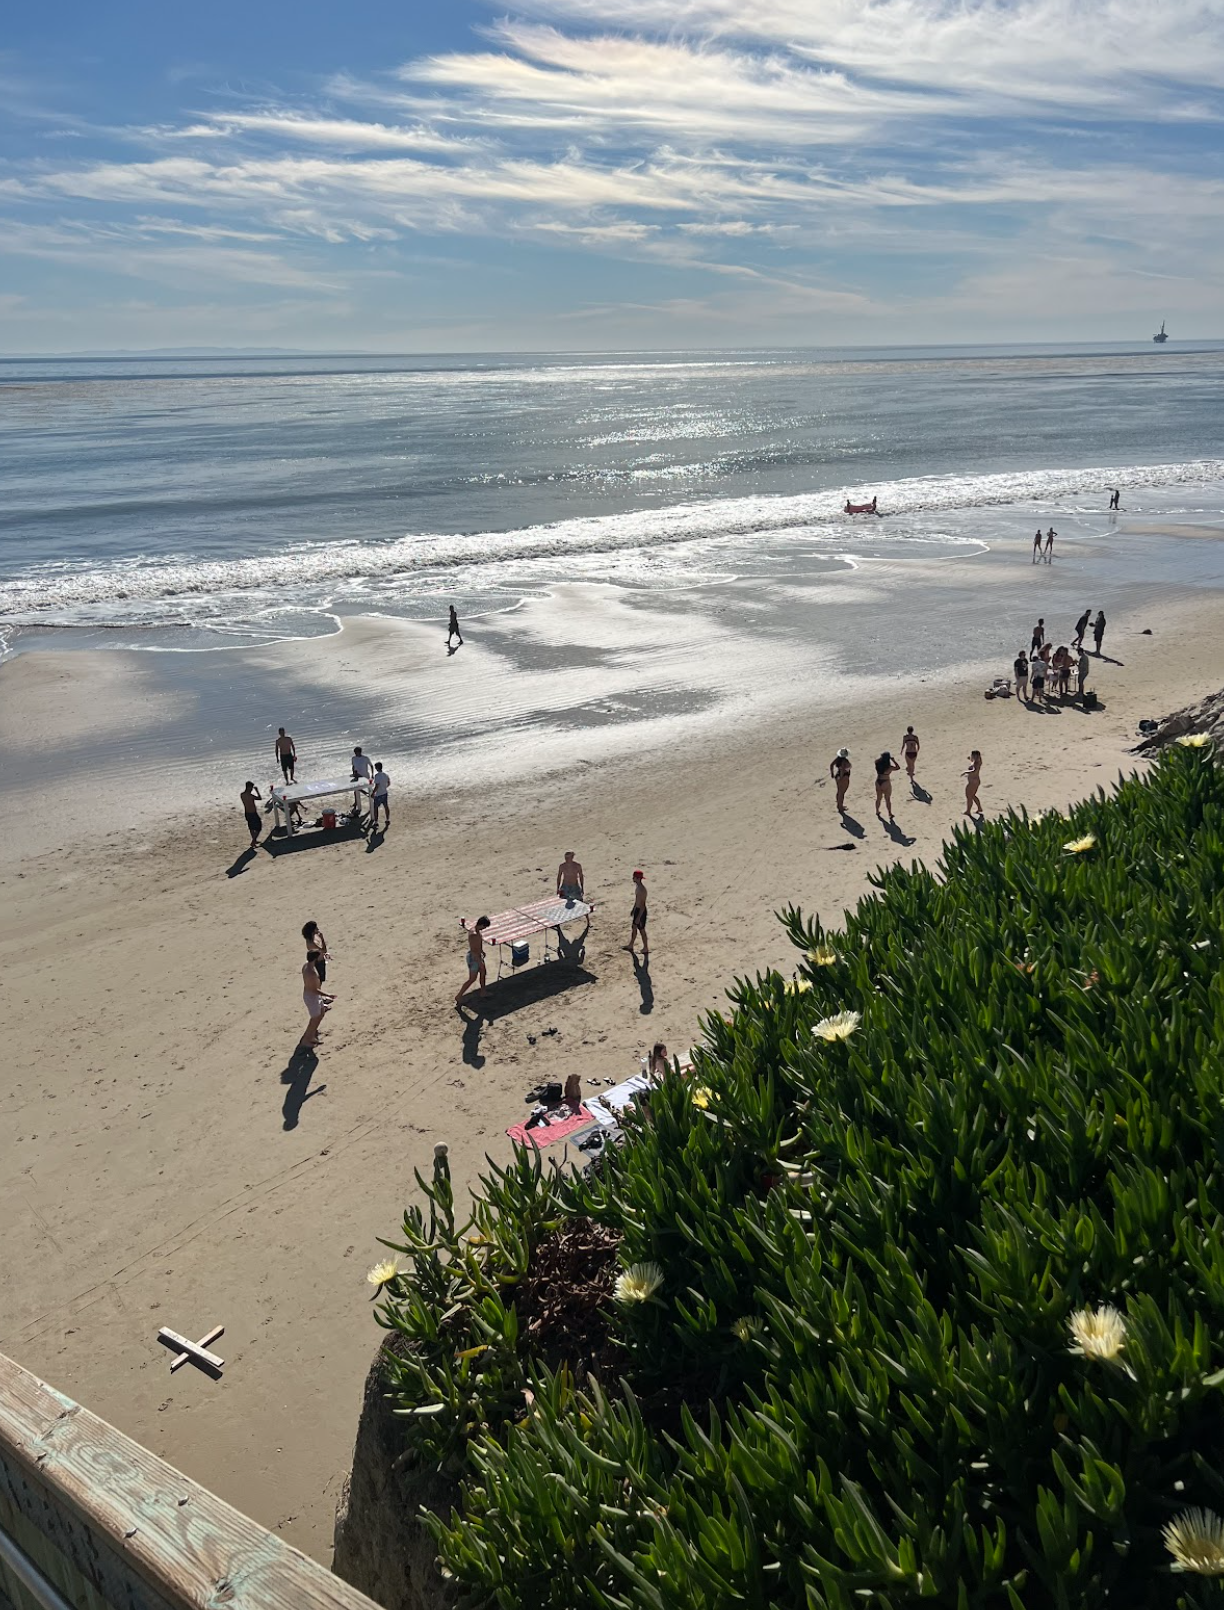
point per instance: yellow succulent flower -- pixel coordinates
(702, 1096)
(383, 1272)
(798, 986)
(822, 956)
(1081, 846)
(838, 1027)
(1098, 1333)
(1194, 740)
(745, 1329)
(638, 1283)
(1195, 1539)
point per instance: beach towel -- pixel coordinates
(559, 1125)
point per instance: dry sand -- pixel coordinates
(156, 1169)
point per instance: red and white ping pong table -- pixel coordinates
(537, 917)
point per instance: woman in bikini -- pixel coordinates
(973, 779)
(885, 766)
(839, 771)
(909, 748)
(316, 946)
(316, 1003)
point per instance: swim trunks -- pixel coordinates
(253, 822)
(570, 892)
(474, 962)
(638, 918)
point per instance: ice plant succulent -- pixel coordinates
(798, 986)
(383, 1273)
(1194, 740)
(1098, 1333)
(1195, 1539)
(822, 956)
(1081, 846)
(838, 1027)
(702, 1096)
(638, 1283)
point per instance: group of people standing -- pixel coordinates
(1046, 669)
(363, 770)
(886, 767)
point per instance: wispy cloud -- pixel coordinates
(797, 149)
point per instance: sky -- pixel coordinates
(608, 174)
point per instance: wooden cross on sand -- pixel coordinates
(193, 1352)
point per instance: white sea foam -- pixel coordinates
(140, 591)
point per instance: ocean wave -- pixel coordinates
(152, 589)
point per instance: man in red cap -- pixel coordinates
(637, 916)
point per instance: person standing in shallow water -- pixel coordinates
(839, 771)
(1037, 546)
(453, 628)
(973, 780)
(1049, 546)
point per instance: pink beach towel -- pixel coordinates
(559, 1126)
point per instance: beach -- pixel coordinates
(159, 1168)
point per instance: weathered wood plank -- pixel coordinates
(144, 1535)
(194, 1350)
(179, 1359)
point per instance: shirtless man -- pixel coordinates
(249, 795)
(973, 778)
(1038, 632)
(637, 917)
(569, 879)
(316, 1004)
(909, 749)
(453, 628)
(475, 959)
(839, 771)
(286, 753)
(1081, 626)
(1049, 547)
(1037, 546)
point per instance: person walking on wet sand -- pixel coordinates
(453, 630)
(1037, 547)
(1098, 629)
(839, 771)
(249, 795)
(1038, 632)
(286, 754)
(475, 959)
(973, 779)
(909, 748)
(380, 797)
(637, 916)
(1081, 626)
(885, 767)
(1049, 547)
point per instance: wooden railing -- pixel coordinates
(90, 1520)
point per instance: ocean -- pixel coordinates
(173, 504)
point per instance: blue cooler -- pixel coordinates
(520, 953)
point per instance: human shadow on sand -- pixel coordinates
(297, 1077)
(853, 825)
(241, 864)
(921, 794)
(895, 832)
(518, 990)
(641, 971)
